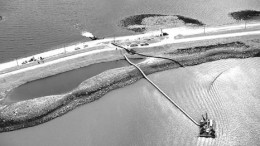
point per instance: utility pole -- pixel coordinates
(245, 24)
(204, 27)
(16, 62)
(64, 50)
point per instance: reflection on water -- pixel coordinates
(32, 26)
(139, 115)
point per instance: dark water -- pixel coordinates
(138, 115)
(61, 83)
(32, 26)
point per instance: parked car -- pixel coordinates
(144, 44)
(179, 36)
(32, 59)
(133, 45)
(24, 62)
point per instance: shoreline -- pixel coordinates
(85, 46)
(187, 51)
(36, 111)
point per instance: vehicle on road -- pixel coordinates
(133, 45)
(144, 44)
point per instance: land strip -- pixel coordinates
(188, 52)
(189, 33)
(36, 111)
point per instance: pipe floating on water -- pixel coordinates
(186, 114)
(207, 126)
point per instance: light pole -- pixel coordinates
(16, 62)
(64, 49)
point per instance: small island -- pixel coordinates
(150, 22)
(245, 15)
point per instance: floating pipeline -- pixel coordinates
(36, 111)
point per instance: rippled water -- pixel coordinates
(139, 115)
(32, 26)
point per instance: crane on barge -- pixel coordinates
(207, 126)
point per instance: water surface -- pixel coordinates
(139, 115)
(33, 26)
(61, 83)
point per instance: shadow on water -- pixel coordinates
(63, 82)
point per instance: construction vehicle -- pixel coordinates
(207, 127)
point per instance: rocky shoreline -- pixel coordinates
(36, 111)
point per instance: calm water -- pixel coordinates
(63, 82)
(139, 115)
(32, 26)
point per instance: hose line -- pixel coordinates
(186, 114)
(132, 52)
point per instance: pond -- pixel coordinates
(63, 82)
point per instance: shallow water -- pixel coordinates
(32, 26)
(139, 115)
(63, 82)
